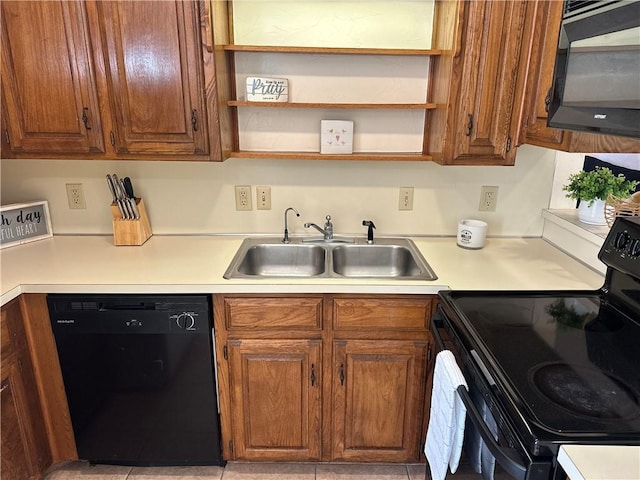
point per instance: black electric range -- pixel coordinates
(553, 367)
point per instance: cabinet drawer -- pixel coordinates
(273, 313)
(381, 314)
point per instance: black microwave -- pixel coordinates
(596, 83)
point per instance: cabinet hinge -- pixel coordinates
(6, 136)
(231, 446)
(20, 365)
(508, 144)
(225, 352)
(429, 353)
(469, 125)
(112, 137)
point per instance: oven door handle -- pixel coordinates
(436, 323)
(508, 458)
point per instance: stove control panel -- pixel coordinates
(621, 249)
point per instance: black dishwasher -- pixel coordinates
(139, 377)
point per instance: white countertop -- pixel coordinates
(600, 462)
(569, 218)
(196, 264)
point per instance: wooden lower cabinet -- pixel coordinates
(378, 398)
(16, 451)
(323, 377)
(275, 399)
(24, 449)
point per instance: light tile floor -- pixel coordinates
(251, 471)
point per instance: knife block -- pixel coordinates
(131, 232)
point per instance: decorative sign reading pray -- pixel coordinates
(24, 222)
(263, 89)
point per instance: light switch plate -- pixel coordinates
(263, 198)
(405, 202)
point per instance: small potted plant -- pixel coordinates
(593, 188)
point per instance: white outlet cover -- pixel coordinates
(336, 136)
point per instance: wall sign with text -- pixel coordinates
(263, 89)
(24, 222)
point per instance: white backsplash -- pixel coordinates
(198, 197)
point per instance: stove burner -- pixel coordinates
(586, 391)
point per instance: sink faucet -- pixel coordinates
(369, 223)
(286, 225)
(327, 231)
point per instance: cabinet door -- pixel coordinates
(538, 89)
(48, 84)
(25, 451)
(155, 76)
(486, 86)
(540, 79)
(16, 463)
(275, 399)
(378, 396)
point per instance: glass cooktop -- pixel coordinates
(573, 361)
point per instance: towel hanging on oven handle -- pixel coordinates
(508, 458)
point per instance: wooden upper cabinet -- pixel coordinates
(49, 96)
(154, 76)
(538, 89)
(481, 84)
(109, 80)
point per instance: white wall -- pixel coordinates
(566, 164)
(197, 197)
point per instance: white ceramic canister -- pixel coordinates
(471, 233)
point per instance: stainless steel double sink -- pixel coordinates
(388, 258)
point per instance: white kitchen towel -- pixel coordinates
(445, 433)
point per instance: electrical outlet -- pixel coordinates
(263, 198)
(75, 196)
(243, 197)
(488, 199)
(406, 198)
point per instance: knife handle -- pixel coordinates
(126, 200)
(111, 188)
(127, 187)
(134, 207)
(113, 182)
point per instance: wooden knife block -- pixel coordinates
(130, 232)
